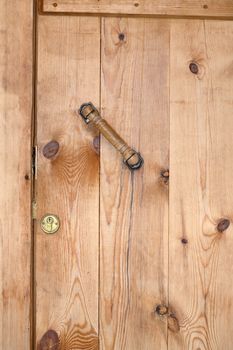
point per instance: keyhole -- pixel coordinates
(50, 220)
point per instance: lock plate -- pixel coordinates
(50, 223)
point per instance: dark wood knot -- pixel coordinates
(165, 175)
(50, 149)
(121, 36)
(50, 340)
(194, 68)
(161, 310)
(184, 241)
(223, 225)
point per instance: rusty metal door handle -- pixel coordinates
(90, 114)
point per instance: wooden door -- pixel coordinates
(142, 259)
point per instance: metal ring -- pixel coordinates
(84, 105)
(136, 166)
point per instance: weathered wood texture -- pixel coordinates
(199, 8)
(68, 184)
(15, 158)
(134, 205)
(201, 188)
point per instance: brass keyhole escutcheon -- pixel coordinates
(50, 223)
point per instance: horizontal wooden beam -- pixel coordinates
(178, 8)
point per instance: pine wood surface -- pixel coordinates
(159, 276)
(67, 185)
(142, 260)
(15, 172)
(179, 8)
(134, 205)
(201, 190)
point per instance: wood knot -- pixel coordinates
(184, 241)
(50, 340)
(198, 68)
(173, 323)
(96, 144)
(223, 225)
(161, 310)
(121, 36)
(194, 68)
(165, 311)
(165, 176)
(50, 149)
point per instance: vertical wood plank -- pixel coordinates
(134, 206)
(201, 188)
(16, 37)
(67, 184)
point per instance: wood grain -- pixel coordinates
(68, 184)
(134, 205)
(16, 35)
(191, 8)
(201, 188)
